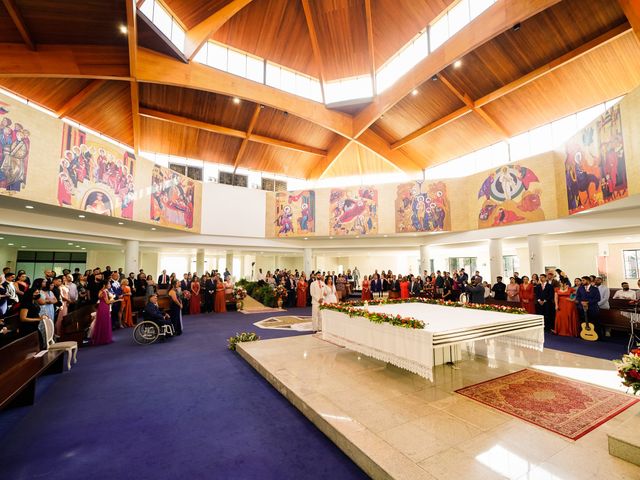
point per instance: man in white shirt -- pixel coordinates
(625, 293)
(604, 294)
(318, 291)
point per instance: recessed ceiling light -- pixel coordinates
(29, 207)
(123, 29)
(457, 64)
(153, 228)
(1, 238)
(330, 238)
(306, 238)
(236, 100)
(357, 236)
(120, 223)
(386, 236)
(83, 248)
(69, 243)
(81, 216)
(415, 92)
(23, 246)
(10, 244)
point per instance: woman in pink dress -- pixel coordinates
(513, 291)
(366, 289)
(101, 334)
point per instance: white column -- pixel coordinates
(536, 260)
(241, 274)
(307, 262)
(424, 259)
(131, 254)
(495, 260)
(200, 261)
(229, 262)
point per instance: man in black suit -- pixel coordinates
(152, 312)
(545, 302)
(499, 289)
(163, 280)
(185, 286)
(415, 287)
(475, 291)
(209, 294)
(463, 278)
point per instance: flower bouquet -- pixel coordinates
(629, 370)
(185, 295)
(239, 294)
(242, 337)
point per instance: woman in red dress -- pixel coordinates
(194, 303)
(301, 292)
(366, 289)
(219, 305)
(404, 288)
(566, 312)
(527, 296)
(127, 319)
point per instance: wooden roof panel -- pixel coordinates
(192, 12)
(357, 160)
(277, 124)
(52, 93)
(277, 160)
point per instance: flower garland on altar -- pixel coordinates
(348, 308)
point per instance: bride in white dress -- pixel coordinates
(330, 291)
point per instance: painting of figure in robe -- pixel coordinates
(295, 213)
(422, 207)
(595, 169)
(172, 198)
(94, 177)
(510, 195)
(15, 144)
(353, 211)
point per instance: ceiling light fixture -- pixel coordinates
(69, 243)
(434, 78)
(123, 29)
(29, 207)
(457, 64)
(10, 244)
(236, 100)
(415, 92)
(120, 223)
(153, 228)
(23, 246)
(83, 248)
(82, 216)
(516, 27)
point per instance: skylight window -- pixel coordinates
(403, 61)
(293, 82)
(165, 22)
(348, 89)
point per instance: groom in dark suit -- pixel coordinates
(545, 302)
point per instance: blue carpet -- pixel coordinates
(608, 348)
(188, 408)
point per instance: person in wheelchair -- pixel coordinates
(152, 312)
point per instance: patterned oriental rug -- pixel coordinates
(251, 305)
(566, 407)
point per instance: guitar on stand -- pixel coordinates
(588, 331)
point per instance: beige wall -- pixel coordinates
(102, 258)
(615, 266)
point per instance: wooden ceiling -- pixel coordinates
(72, 58)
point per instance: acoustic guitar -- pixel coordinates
(587, 331)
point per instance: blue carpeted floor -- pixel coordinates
(188, 408)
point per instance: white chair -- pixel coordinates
(70, 347)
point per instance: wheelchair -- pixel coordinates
(147, 332)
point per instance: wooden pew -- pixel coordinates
(20, 370)
(76, 323)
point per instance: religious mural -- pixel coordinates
(172, 198)
(508, 197)
(595, 169)
(422, 207)
(15, 142)
(95, 178)
(295, 213)
(353, 211)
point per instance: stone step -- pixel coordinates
(624, 441)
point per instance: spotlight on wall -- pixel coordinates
(29, 207)
(123, 29)
(415, 92)
(516, 27)
(236, 100)
(457, 64)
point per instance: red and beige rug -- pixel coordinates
(567, 407)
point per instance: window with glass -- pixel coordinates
(35, 263)
(165, 22)
(468, 263)
(510, 265)
(631, 263)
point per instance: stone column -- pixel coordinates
(496, 264)
(131, 254)
(424, 259)
(307, 262)
(200, 261)
(536, 260)
(229, 263)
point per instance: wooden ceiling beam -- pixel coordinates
(230, 132)
(80, 97)
(501, 16)
(197, 36)
(631, 9)
(157, 68)
(476, 106)
(245, 141)
(105, 62)
(372, 58)
(132, 38)
(318, 170)
(315, 45)
(378, 145)
(18, 21)
(139, 3)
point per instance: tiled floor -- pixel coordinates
(404, 426)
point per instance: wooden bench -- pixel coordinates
(76, 323)
(21, 370)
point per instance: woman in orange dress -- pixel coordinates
(566, 312)
(527, 295)
(219, 305)
(301, 291)
(366, 289)
(404, 288)
(194, 303)
(127, 319)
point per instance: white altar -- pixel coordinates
(447, 331)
